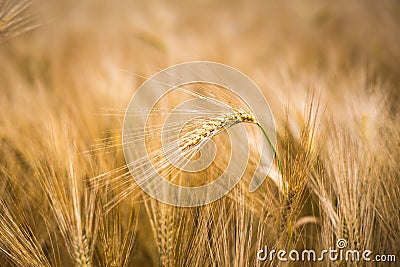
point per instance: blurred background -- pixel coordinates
(285, 47)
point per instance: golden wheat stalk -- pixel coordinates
(213, 126)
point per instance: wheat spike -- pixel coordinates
(215, 126)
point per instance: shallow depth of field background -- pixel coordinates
(58, 81)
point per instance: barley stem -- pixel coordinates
(272, 147)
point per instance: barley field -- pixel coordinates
(330, 71)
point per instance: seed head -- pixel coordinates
(214, 126)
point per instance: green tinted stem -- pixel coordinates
(272, 147)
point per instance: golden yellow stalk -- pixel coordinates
(215, 126)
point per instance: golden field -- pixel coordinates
(330, 71)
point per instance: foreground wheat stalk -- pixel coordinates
(214, 126)
(14, 18)
(193, 140)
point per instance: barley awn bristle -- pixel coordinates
(214, 126)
